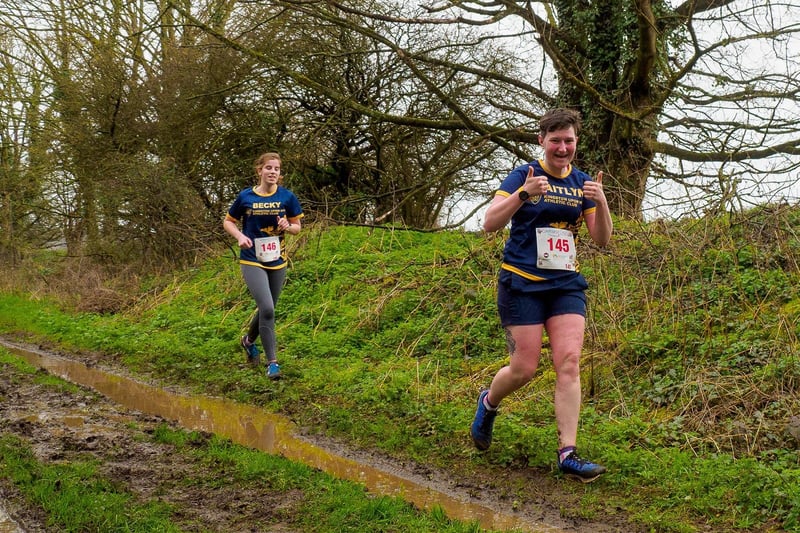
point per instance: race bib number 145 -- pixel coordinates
(556, 249)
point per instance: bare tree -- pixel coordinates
(333, 88)
(130, 104)
(678, 93)
(132, 125)
(22, 154)
(365, 137)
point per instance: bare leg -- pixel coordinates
(525, 347)
(566, 339)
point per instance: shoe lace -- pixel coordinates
(575, 461)
(488, 417)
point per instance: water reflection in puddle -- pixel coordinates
(252, 427)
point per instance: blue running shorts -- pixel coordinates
(518, 308)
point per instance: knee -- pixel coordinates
(266, 313)
(522, 374)
(568, 368)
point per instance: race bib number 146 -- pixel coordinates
(268, 249)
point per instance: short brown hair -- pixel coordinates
(559, 119)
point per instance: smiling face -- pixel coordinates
(559, 148)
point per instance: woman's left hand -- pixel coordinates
(593, 190)
(283, 223)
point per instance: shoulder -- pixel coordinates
(240, 196)
(516, 177)
(580, 174)
(285, 193)
(523, 168)
(245, 192)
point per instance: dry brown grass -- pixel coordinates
(75, 282)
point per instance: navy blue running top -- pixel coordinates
(562, 207)
(258, 215)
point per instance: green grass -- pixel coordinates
(690, 365)
(77, 499)
(325, 503)
(74, 497)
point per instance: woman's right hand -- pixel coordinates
(535, 185)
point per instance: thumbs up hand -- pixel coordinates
(535, 185)
(593, 190)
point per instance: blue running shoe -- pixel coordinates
(481, 430)
(253, 355)
(273, 370)
(576, 468)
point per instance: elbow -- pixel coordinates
(491, 223)
(603, 240)
(489, 227)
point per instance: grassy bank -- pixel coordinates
(691, 372)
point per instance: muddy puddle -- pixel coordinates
(252, 427)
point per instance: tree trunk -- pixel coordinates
(628, 158)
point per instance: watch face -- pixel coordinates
(523, 195)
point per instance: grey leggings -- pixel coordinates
(265, 287)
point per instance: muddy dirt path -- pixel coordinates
(61, 424)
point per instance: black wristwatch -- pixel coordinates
(523, 195)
